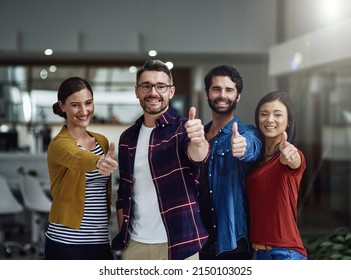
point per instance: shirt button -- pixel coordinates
(212, 209)
(214, 226)
(210, 191)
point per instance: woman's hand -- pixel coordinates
(107, 164)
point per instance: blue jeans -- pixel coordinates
(279, 254)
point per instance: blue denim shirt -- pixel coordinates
(227, 183)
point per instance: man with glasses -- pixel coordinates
(159, 160)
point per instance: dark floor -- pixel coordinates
(18, 229)
(315, 220)
(20, 247)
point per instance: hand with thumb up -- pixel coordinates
(238, 142)
(107, 164)
(289, 154)
(198, 147)
(194, 128)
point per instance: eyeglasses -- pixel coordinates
(147, 87)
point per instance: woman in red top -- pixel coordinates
(273, 186)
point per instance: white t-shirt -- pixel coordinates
(146, 224)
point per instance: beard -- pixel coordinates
(154, 111)
(223, 111)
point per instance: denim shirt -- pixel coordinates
(227, 183)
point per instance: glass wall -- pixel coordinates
(323, 105)
(28, 92)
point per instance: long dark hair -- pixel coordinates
(285, 99)
(67, 88)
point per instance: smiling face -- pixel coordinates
(79, 108)
(223, 95)
(273, 119)
(153, 102)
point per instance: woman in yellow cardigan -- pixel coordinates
(80, 164)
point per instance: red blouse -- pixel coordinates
(272, 190)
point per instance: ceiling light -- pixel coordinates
(132, 69)
(52, 68)
(48, 52)
(152, 53)
(169, 64)
(43, 74)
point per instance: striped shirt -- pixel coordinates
(94, 225)
(175, 178)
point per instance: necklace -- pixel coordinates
(276, 149)
(269, 154)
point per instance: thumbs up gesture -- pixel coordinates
(194, 128)
(198, 148)
(289, 154)
(111, 151)
(238, 142)
(107, 164)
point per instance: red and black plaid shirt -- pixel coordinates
(175, 177)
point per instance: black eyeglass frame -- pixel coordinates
(155, 86)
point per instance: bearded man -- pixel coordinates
(234, 148)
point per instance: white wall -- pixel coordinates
(130, 28)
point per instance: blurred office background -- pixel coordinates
(301, 47)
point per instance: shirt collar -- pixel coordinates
(227, 129)
(168, 117)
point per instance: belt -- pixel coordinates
(256, 247)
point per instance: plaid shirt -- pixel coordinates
(175, 177)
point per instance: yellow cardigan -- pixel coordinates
(67, 165)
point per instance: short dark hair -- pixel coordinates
(285, 99)
(67, 88)
(226, 71)
(154, 65)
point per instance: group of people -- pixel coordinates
(224, 190)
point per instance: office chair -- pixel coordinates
(38, 203)
(9, 206)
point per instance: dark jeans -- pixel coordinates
(242, 252)
(61, 251)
